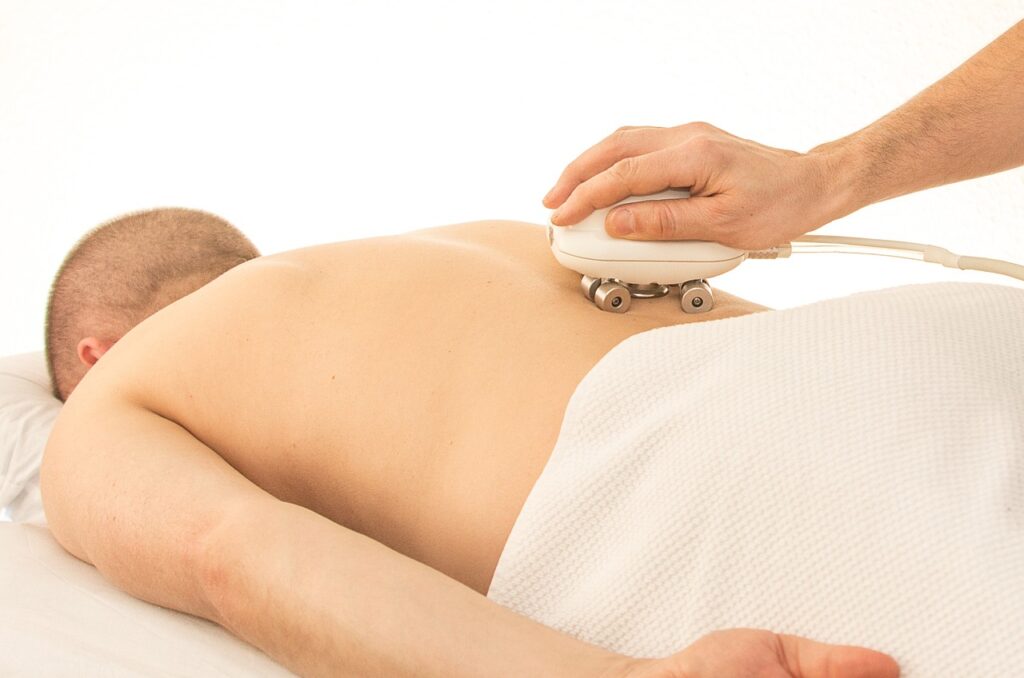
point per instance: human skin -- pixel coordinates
(752, 196)
(324, 451)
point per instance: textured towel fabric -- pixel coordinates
(851, 471)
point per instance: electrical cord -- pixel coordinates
(819, 244)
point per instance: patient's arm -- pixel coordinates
(165, 518)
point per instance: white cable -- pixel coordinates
(814, 244)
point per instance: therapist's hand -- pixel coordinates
(751, 653)
(744, 194)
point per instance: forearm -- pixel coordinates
(968, 124)
(165, 518)
(286, 574)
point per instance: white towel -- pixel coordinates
(851, 471)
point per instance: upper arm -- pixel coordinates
(125, 463)
(136, 495)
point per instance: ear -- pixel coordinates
(90, 349)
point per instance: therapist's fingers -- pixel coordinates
(743, 194)
(683, 219)
(624, 142)
(677, 166)
(722, 217)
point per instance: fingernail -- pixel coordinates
(556, 214)
(623, 221)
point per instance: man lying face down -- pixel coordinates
(122, 272)
(325, 450)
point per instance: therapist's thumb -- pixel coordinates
(659, 220)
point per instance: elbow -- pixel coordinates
(223, 556)
(209, 553)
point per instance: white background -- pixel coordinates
(305, 122)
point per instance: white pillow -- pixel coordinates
(27, 412)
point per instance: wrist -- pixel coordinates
(840, 168)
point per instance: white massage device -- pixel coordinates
(615, 270)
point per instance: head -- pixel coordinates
(125, 270)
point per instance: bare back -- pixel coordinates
(408, 387)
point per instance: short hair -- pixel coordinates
(122, 271)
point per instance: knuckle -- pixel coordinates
(700, 127)
(615, 145)
(703, 144)
(588, 194)
(618, 138)
(625, 137)
(664, 224)
(628, 129)
(708, 151)
(625, 170)
(656, 220)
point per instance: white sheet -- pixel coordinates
(59, 617)
(852, 471)
(27, 413)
